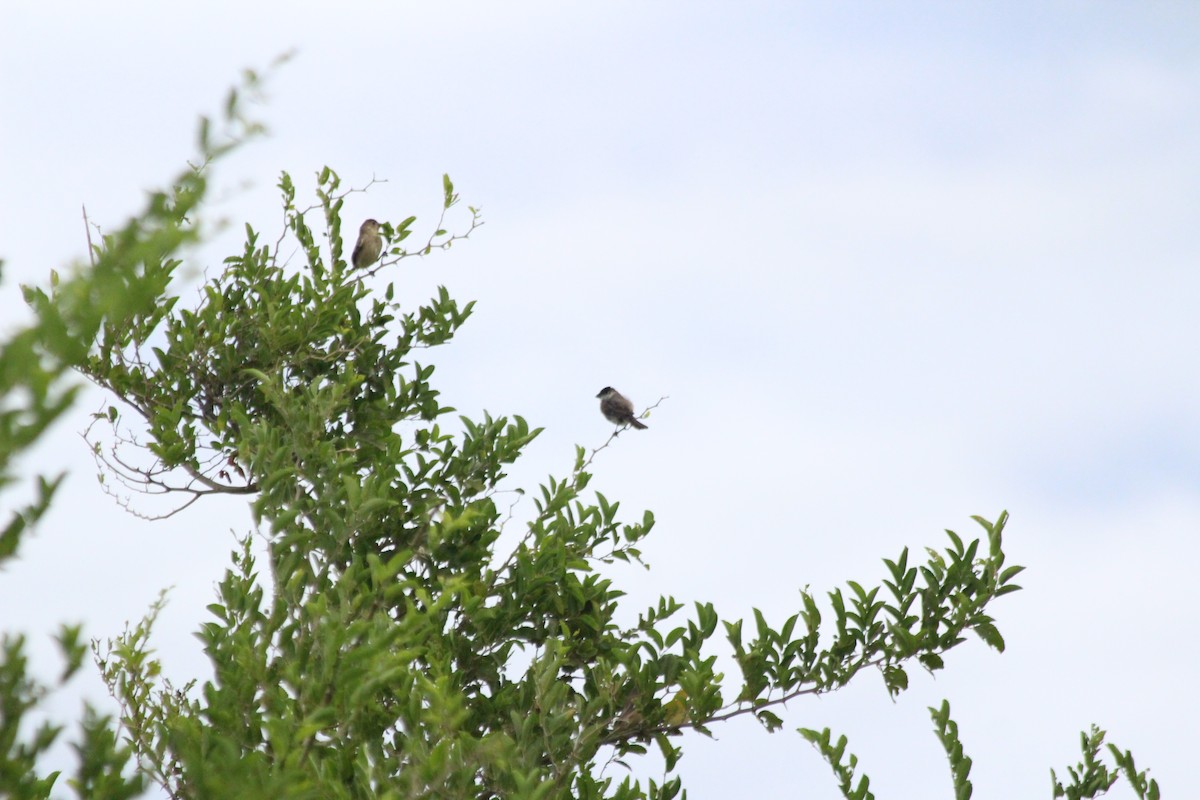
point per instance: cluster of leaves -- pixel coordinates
(122, 288)
(1090, 778)
(262, 330)
(919, 623)
(103, 769)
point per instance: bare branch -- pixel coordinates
(87, 229)
(430, 244)
(644, 415)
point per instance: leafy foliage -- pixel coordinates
(1092, 778)
(391, 641)
(843, 770)
(121, 290)
(394, 644)
(960, 765)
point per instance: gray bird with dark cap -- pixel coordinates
(617, 408)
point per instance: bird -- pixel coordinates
(617, 409)
(369, 246)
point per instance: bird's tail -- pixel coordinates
(637, 424)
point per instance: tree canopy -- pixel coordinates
(390, 642)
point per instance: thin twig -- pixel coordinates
(87, 229)
(430, 245)
(512, 556)
(645, 414)
(737, 712)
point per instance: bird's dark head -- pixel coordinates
(606, 391)
(369, 226)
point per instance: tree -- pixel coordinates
(396, 648)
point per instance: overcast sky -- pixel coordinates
(893, 264)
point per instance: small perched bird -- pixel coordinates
(617, 409)
(369, 246)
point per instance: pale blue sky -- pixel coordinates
(894, 265)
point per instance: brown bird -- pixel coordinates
(369, 246)
(617, 408)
